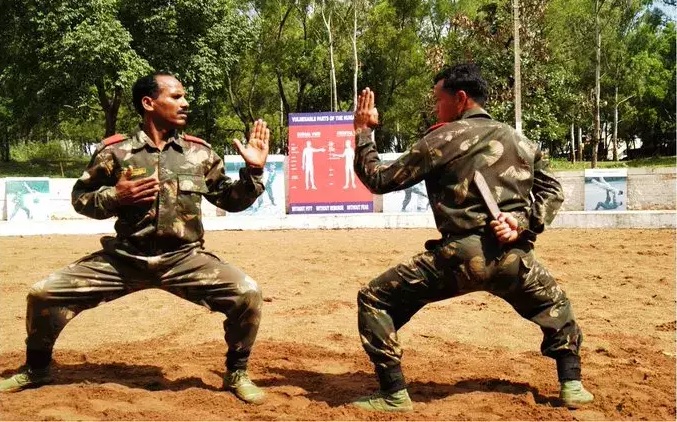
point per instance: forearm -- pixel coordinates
(382, 178)
(99, 204)
(235, 196)
(548, 198)
(94, 194)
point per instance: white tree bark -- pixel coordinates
(580, 144)
(615, 135)
(326, 18)
(573, 144)
(598, 64)
(518, 70)
(355, 62)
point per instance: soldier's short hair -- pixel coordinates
(465, 77)
(146, 86)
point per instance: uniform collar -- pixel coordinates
(141, 140)
(435, 126)
(180, 141)
(474, 113)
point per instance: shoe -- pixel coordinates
(239, 383)
(573, 394)
(25, 378)
(398, 401)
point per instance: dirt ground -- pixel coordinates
(152, 356)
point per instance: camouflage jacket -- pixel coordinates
(186, 168)
(447, 157)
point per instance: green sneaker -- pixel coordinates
(398, 401)
(574, 395)
(239, 383)
(26, 378)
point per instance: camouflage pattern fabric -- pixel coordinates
(158, 245)
(186, 170)
(468, 257)
(190, 273)
(447, 157)
(457, 266)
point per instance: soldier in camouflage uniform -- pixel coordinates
(476, 252)
(153, 181)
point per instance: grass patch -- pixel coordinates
(562, 164)
(40, 168)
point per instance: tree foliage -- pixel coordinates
(242, 60)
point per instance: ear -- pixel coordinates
(147, 103)
(462, 96)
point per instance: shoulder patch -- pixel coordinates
(435, 126)
(195, 139)
(118, 137)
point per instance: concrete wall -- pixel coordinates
(564, 220)
(652, 189)
(60, 201)
(648, 189)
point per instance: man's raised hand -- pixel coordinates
(366, 114)
(255, 152)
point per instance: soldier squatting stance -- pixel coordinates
(153, 181)
(474, 252)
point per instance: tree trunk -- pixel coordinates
(284, 107)
(110, 106)
(111, 123)
(208, 123)
(615, 135)
(236, 104)
(580, 144)
(598, 65)
(4, 150)
(333, 101)
(518, 70)
(354, 40)
(573, 144)
(285, 110)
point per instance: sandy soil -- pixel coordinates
(152, 356)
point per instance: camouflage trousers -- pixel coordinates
(454, 267)
(189, 272)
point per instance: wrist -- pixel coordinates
(364, 136)
(255, 170)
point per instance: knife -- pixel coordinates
(486, 194)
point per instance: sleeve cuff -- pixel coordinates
(252, 174)
(522, 222)
(364, 137)
(255, 171)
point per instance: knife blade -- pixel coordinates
(486, 194)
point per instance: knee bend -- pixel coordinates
(252, 298)
(366, 297)
(362, 295)
(38, 291)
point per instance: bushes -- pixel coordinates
(41, 151)
(50, 159)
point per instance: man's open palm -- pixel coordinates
(255, 152)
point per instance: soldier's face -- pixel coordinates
(448, 107)
(170, 108)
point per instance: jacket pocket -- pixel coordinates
(192, 183)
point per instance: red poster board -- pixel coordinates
(321, 176)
